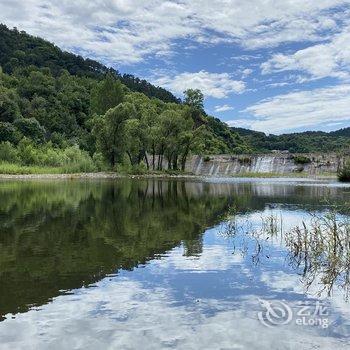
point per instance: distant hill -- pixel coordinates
(341, 132)
(303, 142)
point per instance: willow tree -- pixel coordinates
(111, 133)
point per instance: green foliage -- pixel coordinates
(106, 94)
(231, 142)
(9, 109)
(100, 162)
(194, 98)
(18, 169)
(301, 160)
(8, 153)
(18, 50)
(110, 132)
(245, 160)
(8, 132)
(26, 154)
(304, 142)
(344, 173)
(30, 128)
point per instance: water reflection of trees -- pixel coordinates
(59, 236)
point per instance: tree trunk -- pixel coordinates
(175, 162)
(146, 159)
(153, 157)
(184, 158)
(130, 157)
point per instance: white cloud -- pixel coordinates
(331, 59)
(218, 85)
(240, 123)
(246, 72)
(223, 108)
(125, 314)
(127, 31)
(213, 258)
(302, 109)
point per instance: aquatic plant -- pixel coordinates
(319, 248)
(322, 251)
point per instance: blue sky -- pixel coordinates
(270, 65)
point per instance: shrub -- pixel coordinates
(344, 173)
(78, 160)
(100, 162)
(245, 160)
(31, 128)
(71, 159)
(8, 153)
(139, 169)
(206, 159)
(301, 160)
(27, 152)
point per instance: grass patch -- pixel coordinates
(17, 169)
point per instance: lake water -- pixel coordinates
(163, 264)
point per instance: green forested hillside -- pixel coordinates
(19, 50)
(303, 142)
(60, 110)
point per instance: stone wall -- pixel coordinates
(276, 163)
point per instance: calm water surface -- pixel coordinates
(155, 264)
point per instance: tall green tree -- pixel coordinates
(106, 94)
(111, 134)
(9, 109)
(194, 98)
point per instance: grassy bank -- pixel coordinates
(16, 169)
(7, 168)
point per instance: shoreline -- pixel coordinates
(100, 175)
(110, 175)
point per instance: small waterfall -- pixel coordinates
(211, 170)
(264, 164)
(199, 166)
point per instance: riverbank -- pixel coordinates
(163, 175)
(100, 175)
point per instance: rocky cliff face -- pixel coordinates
(279, 163)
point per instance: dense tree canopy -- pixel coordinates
(303, 142)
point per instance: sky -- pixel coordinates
(276, 66)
